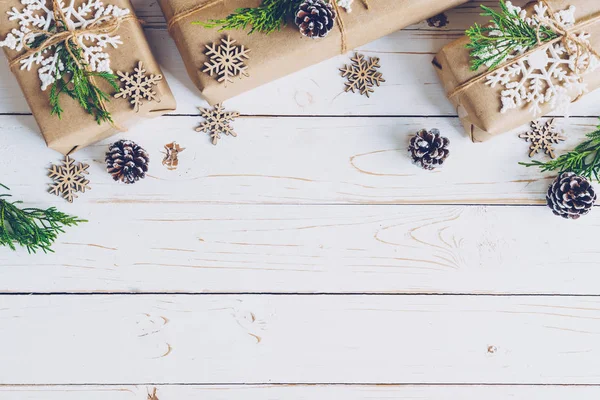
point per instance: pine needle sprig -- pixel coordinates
(584, 160)
(32, 228)
(506, 34)
(78, 84)
(270, 16)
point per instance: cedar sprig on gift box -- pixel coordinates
(507, 33)
(270, 16)
(32, 228)
(584, 160)
(78, 83)
(68, 44)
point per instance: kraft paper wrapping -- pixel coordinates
(286, 51)
(78, 129)
(479, 106)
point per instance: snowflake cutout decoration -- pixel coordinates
(68, 179)
(138, 86)
(216, 122)
(226, 60)
(37, 17)
(542, 137)
(547, 76)
(362, 75)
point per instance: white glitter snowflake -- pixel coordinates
(548, 76)
(38, 15)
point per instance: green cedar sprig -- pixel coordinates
(77, 84)
(32, 228)
(584, 160)
(489, 48)
(270, 16)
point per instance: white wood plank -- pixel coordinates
(386, 249)
(299, 392)
(319, 90)
(299, 339)
(294, 161)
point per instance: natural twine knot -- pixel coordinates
(573, 44)
(178, 16)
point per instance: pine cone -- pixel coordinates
(429, 149)
(570, 196)
(126, 161)
(315, 18)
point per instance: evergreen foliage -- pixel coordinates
(32, 228)
(270, 16)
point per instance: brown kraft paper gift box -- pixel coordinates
(77, 128)
(286, 51)
(479, 105)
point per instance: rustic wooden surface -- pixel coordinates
(307, 258)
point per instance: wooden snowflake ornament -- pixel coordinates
(226, 60)
(362, 75)
(542, 137)
(138, 86)
(69, 179)
(216, 122)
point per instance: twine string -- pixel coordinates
(179, 16)
(573, 45)
(107, 24)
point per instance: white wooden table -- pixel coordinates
(307, 258)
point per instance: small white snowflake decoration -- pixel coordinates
(548, 76)
(38, 17)
(345, 4)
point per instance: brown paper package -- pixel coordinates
(78, 129)
(286, 51)
(479, 106)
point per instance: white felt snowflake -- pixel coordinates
(38, 15)
(546, 76)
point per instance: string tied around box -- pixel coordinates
(573, 44)
(181, 15)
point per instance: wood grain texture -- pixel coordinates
(381, 249)
(309, 161)
(457, 283)
(299, 339)
(299, 392)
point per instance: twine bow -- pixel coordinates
(573, 45)
(107, 24)
(184, 14)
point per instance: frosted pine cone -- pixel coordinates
(429, 149)
(315, 18)
(126, 161)
(570, 196)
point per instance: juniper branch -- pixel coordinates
(78, 84)
(584, 160)
(507, 32)
(270, 16)
(32, 228)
